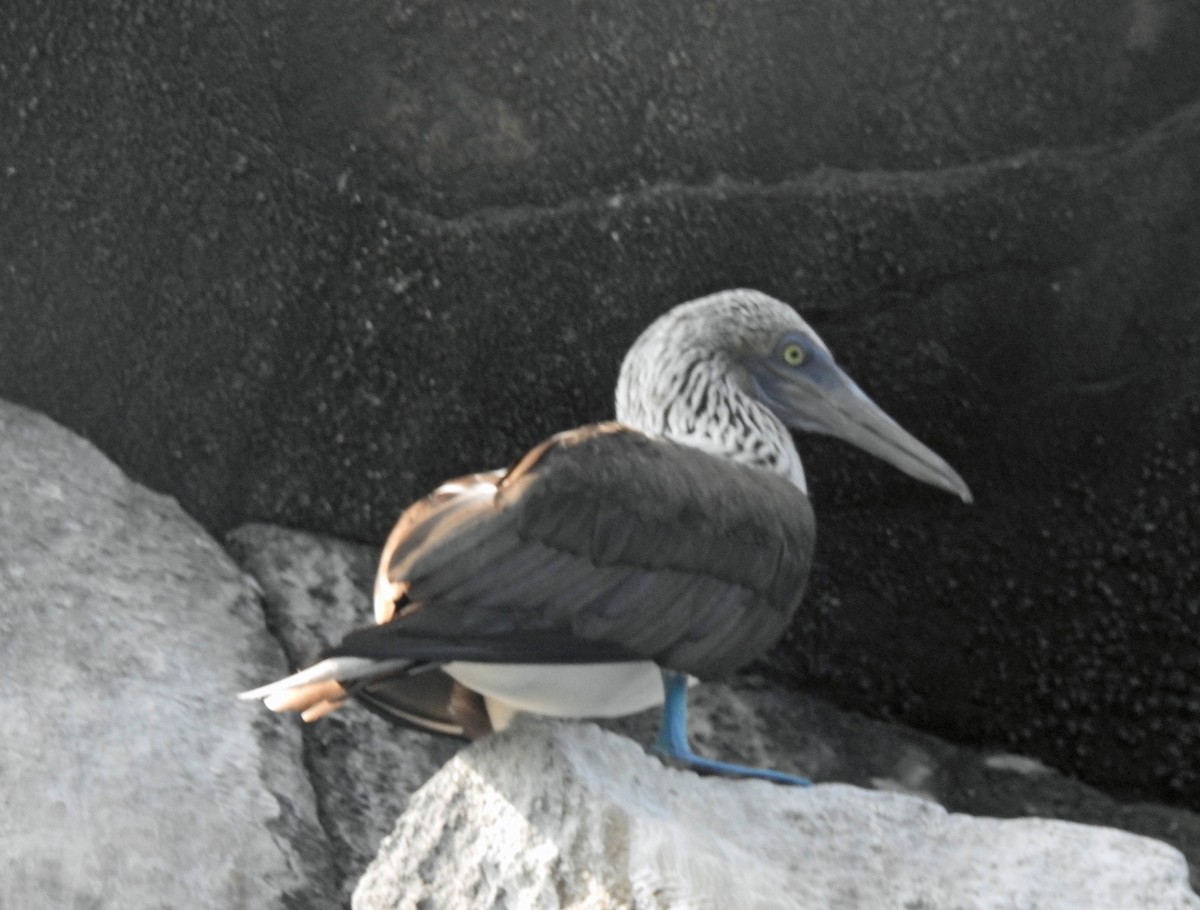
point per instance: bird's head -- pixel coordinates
(709, 369)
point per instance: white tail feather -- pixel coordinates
(343, 669)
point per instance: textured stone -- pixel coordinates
(454, 107)
(129, 776)
(755, 723)
(552, 815)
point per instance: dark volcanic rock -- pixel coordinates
(220, 264)
(452, 106)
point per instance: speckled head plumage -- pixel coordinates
(732, 372)
(684, 379)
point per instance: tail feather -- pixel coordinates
(303, 698)
(321, 682)
(316, 711)
(410, 692)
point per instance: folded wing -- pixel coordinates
(602, 544)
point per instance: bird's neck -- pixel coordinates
(716, 416)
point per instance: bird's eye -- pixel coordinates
(793, 355)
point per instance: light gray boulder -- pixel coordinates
(553, 815)
(129, 776)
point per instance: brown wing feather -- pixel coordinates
(599, 542)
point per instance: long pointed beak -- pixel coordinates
(821, 398)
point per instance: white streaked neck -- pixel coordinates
(698, 404)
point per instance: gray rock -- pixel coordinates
(363, 769)
(129, 777)
(752, 722)
(554, 816)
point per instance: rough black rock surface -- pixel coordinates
(299, 264)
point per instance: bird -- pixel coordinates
(614, 565)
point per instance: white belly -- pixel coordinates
(565, 690)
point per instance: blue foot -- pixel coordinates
(672, 744)
(706, 766)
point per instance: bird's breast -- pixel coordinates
(565, 690)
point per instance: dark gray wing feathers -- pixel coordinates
(609, 537)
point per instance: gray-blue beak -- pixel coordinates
(819, 397)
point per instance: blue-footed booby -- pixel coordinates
(614, 563)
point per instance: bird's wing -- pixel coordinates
(601, 544)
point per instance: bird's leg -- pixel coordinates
(672, 743)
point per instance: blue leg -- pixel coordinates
(672, 743)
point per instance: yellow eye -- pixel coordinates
(793, 355)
